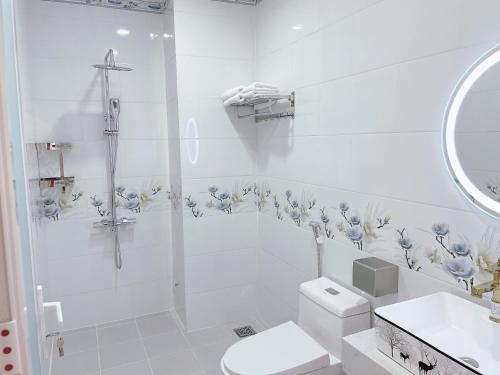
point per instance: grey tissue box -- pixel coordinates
(375, 276)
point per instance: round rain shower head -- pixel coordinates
(113, 67)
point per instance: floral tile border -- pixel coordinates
(218, 199)
(444, 254)
(54, 204)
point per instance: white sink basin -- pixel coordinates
(439, 334)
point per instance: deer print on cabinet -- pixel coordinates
(414, 354)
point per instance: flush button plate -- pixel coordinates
(9, 349)
(332, 291)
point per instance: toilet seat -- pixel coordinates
(282, 350)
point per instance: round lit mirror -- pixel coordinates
(472, 134)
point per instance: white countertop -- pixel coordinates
(360, 356)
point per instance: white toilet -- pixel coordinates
(327, 312)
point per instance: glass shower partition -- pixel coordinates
(13, 112)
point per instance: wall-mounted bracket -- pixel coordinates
(61, 180)
(263, 104)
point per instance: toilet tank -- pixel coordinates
(328, 312)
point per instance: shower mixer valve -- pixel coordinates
(106, 223)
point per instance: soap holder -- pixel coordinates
(55, 181)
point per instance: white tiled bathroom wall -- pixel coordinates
(364, 156)
(62, 102)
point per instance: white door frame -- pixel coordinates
(11, 280)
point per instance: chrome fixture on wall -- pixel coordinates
(61, 181)
(112, 118)
(494, 288)
(242, 2)
(320, 241)
(153, 6)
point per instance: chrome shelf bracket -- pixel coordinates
(268, 102)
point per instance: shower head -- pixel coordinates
(113, 67)
(109, 63)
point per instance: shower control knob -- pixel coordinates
(105, 223)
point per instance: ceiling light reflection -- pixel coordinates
(122, 32)
(192, 141)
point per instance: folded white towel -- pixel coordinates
(260, 85)
(235, 99)
(255, 90)
(255, 93)
(231, 92)
(258, 89)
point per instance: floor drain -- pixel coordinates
(244, 331)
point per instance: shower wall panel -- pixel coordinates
(62, 102)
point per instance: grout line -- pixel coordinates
(269, 252)
(98, 351)
(123, 364)
(143, 346)
(124, 286)
(194, 179)
(252, 137)
(218, 58)
(237, 286)
(269, 140)
(317, 30)
(221, 252)
(386, 65)
(190, 345)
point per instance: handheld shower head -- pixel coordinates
(114, 113)
(114, 107)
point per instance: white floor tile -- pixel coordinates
(181, 363)
(210, 335)
(120, 332)
(138, 368)
(76, 364)
(165, 344)
(79, 341)
(158, 324)
(148, 345)
(209, 356)
(121, 353)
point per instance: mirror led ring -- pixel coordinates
(476, 196)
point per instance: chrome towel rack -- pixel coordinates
(261, 107)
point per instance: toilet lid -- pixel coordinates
(282, 350)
